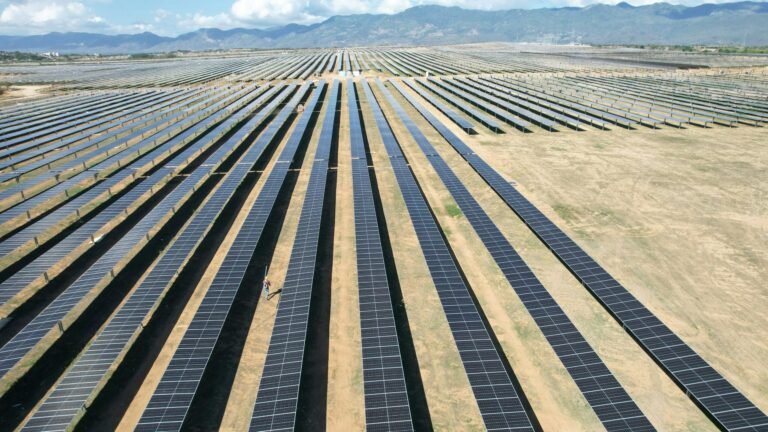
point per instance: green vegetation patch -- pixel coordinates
(453, 210)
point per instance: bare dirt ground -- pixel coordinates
(677, 215)
(346, 410)
(22, 92)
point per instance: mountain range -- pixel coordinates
(660, 23)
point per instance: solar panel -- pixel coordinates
(478, 96)
(61, 407)
(500, 404)
(278, 394)
(615, 408)
(171, 399)
(719, 399)
(386, 397)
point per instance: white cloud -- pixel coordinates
(35, 16)
(198, 21)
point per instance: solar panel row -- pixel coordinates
(61, 407)
(278, 394)
(171, 399)
(719, 399)
(499, 402)
(615, 408)
(386, 397)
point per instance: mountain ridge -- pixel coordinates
(659, 23)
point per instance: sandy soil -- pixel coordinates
(346, 410)
(21, 92)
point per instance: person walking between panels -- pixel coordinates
(265, 287)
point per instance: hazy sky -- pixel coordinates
(171, 17)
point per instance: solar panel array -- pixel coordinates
(451, 114)
(180, 133)
(171, 399)
(150, 148)
(500, 404)
(42, 265)
(386, 396)
(105, 143)
(278, 394)
(19, 153)
(98, 274)
(492, 109)
(79, 383)
(615, 408)
(475, 114)
(718, 398)
(22, 132)
(118, 164)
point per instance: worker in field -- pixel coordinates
(265, 287)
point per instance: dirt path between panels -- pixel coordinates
(245, 387)
(346, 410)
